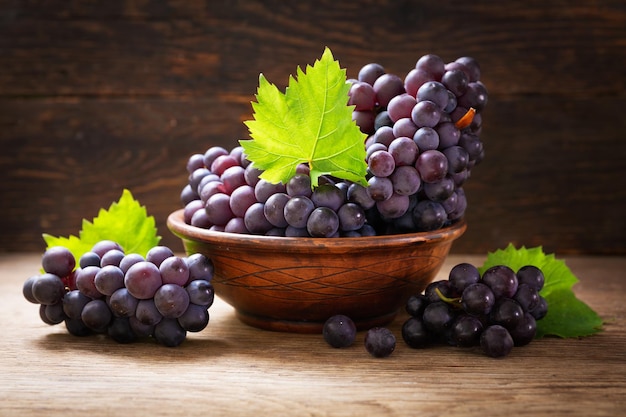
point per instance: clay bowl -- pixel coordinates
(295, 284)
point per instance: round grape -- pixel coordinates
(339, 331)
(380, 342)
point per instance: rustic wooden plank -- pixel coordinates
(195, 48)
(232, 369)
(550, 177)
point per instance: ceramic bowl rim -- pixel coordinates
(177, 225)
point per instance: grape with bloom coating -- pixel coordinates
(380, 342)
(339, 331)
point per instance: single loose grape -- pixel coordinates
(380, 342)
(339, 331)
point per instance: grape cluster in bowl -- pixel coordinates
(126, 296)
(423, 139)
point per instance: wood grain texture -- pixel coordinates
(233, 369)
(100, 96)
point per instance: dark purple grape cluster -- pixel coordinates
(125, 296)
(496, 311)
(423, 140)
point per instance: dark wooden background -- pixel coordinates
(98, 96)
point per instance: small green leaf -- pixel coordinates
(125, 222)
(311, 123)
(567, 315)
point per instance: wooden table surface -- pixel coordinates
(231, 369)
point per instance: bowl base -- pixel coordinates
(299, 326)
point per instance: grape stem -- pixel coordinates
(466, 120)
(455, 302)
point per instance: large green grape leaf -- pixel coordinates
(567, 315)
(310, 123)
(125, 222)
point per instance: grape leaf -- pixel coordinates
(125, 222)
(310, 123)
(567, 315)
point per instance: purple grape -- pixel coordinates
(96, 315)
(462, 275)
(380, 342)
(405, 180)
(404, 151)
(85, 281)
(59, 261)
(507, 313)
(255, 220)
(438, 317)
(525, 330)
(404, 127)
(232, 178)
(147, 313)
(323, 222)
(362, 96)
(478, 299)
(339, 331)
(381, 164)
(299, 185)
(416, 304)
(496, 341)
(426, 114)
(327, 195)
(387, 86)
(47, 289)
(142, 280)
(121, 331)
(380, 188)
(201, 292)
(370, 73)
(400, 106)
(169, 332)
(466, 330)
(429, 215)
(200, 267)
(73, 303)
(360, 195)
(433, 91)
(89, 259)
(527, 297)
(241, 199)
(109, 279)
(297, 211)
(211, 154)
(158, 254)
(351, 217)
(393, 207)
(174, 270)
(171, 300)
(541, 309)
(122, 303)
(415, 334)
(456, 81)
(433, 64)
(531, 276)
(194, 319)
(274, 208)
(432, 166)
(502, 281)
(426, 138)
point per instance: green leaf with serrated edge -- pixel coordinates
(310, 123)
(125, 222)
(567, 315)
